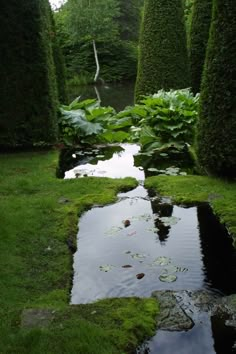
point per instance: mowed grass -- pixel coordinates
(219, 193)
(36, 263)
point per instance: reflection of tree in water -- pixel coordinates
(219, 256)
(161, 209)
(68, 162)
(224, 336)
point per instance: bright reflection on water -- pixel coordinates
(120, 165)
(161, 239)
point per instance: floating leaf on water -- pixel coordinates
(138, 256)
(106, 267)
(181, 269)
(169, 221)
(153, 169)
(152, 229)
(168, 278)
(162, 260)
(170, 269)
(113, 231)
(145, 217)
(140, 275)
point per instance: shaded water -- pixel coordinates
(117, 95)
(144, 243)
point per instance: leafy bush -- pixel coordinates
(86, 122)
(164, 120)
(161, 123)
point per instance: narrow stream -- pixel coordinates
(144, 243)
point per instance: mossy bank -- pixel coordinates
(39, 217)
(192, 189)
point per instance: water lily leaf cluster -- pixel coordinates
(159, 123)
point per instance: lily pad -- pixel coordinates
(138, 256)
(152, 169)
(162, 260)
(114, 230)
(170, 221)
(145, 217)
(106, 267)
(168, 278)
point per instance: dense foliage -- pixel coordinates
(28, 95)
(161, 123)
(116, 38)
(199, 34)
(163, 59)
(217, 122)
(59, 63)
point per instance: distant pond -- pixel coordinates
(117, 95)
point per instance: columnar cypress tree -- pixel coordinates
(216, 137)
(199, 34)
(28, 95)
(59, 64)
(163, 59)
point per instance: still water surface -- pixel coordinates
(161, 240)
(117, 95)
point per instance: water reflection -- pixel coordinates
(218, 253)
(117, 95)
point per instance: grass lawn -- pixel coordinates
(191, 189)
(36, 226)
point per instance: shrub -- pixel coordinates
(216, 139)
(199, 34)
(163, 59)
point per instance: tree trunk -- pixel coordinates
(97, 62)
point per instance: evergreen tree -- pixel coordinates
(28, 95)
(129, 19)
(59, 63)
(163, 59)
(199, 34)
(216, 139)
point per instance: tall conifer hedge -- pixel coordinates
(28, 95)
(163, 58)
(199, 34)
(216, 139)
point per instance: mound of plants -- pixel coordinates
(162, 123)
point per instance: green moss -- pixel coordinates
(191, 189)
(36, 263)
(199, 34)
(163, 59)
(216, 138)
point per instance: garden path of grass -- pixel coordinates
(38, 219)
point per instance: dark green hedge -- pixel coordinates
(216, 139)
(163, 59)
(199, 34)
(28, 95)
(59, 64)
